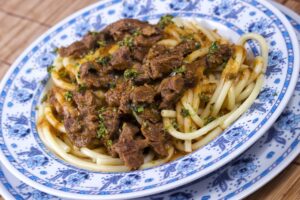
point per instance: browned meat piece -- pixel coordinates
(171, 90)
(95, 75)
(150, 114)
(194, 72)
(125, 27)
(161, 61)
(76, 49)
(138, 53)
(121, 59)
(125, 104)
(218, 54)
(185, 47)
(155, 134)
(143, 94)
(91, 40)
(82, 126)
(111, 122)
(142, 75)
(114, 95)
(53, 101)
(130, 150)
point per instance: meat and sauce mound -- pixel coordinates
(111, 86)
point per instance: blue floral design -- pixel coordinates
(263, 27)
(82, 28)
(35, 158)
(274, 134)
(227, 9)
(45, 59)
(21, 95)
(129, 180)
(181, 196)
(168, 170)
(76, 178)
(36, 161)
(96, 22)
(275, 60)
(130, 8)
(31, 85)
(183, 5)
(288, 121)
(242, 169)
(70, 177)
(18, 130)
(186, 165)
(30, 193)
(111, 180)
(267, 95)
(234, 134)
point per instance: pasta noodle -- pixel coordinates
(219, 97)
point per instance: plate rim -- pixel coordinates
(188, 179)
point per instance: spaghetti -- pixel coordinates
(86, 125)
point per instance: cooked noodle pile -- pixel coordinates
(221, 86)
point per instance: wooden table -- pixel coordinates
(22, 21)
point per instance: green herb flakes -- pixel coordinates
(109, 143)
(82, 88)
(209, 119)
(102, 131)
(50, 68)
(104, 60)
(127, 42)
(68, 96)
(130, 73)
(179, 70)
(214, 47)
(185, 112)
(101, 43)
(45, 97)
(165, 21)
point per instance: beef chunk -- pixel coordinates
(76, 49)
(82, 126)
(143, 94)
(218, 54)
(142, 75)
(124, 27)
(111, 122)
(94, 75)
(130, 150)
(150, 114)
(114, 95)
(139, 53)
(185, 48)
(194, 72)
(121, 59)
(171, 90)
(161, 61)
(154, 133)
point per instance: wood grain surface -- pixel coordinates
(22, 21)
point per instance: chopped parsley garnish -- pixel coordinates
(165, 21)
(45, 97)
(68, 96)
(82, 88)
(55, 50)
(214, 47)
(204, 98)
(179, 70)
(137, 108)
(175, 125)
(62, 74)
(185, 112)
(102, 131)
(101, 43)
(187, 37)
(137, 32)
(130, 73)
(104, 60)
(109, 143)
(127, 42)
(209, 119)
(197, 45)
(112, 85)
(50, 68)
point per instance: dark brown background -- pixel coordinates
(22, 21)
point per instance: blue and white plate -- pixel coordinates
(23, 153)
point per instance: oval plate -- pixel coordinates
(23, 153)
